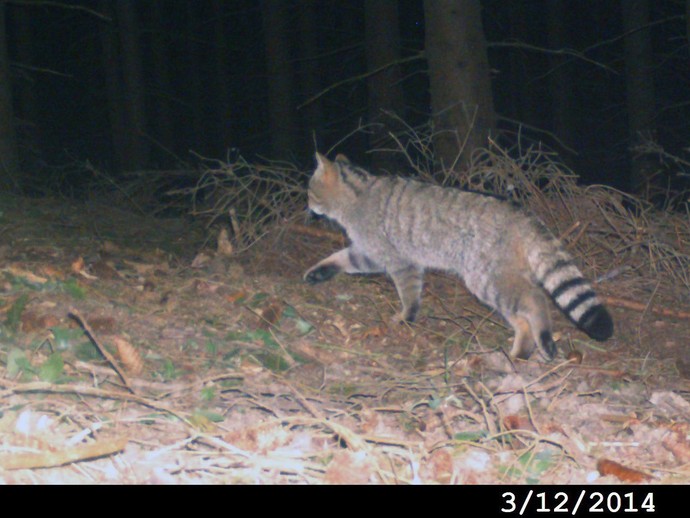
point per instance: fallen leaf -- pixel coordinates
(350, 468)
(144, 268)
(375, 332)
(105, 325)
(677, 443)
(31, 322)
(30, 277)
(224, 247)
(129, 356)
(50, 271)
(517, 422)
(237, 296)
(201, 260)
(103, 270)
(622, 473)
(271, 314)
(78, 265)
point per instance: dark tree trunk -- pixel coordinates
(111, 68)
(27, 107)
(687, 22)
(522, 106)
(160, 69)
(382, 38)
(9, 157)
(281, 106)
(559, 79)
(194, 86)
(221, 76)
(639, 88)
(461, 98)
(312, 113)
(132, 75)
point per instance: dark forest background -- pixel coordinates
(136, 85)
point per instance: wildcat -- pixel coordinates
(508, 260)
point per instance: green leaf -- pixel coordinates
(214, 417)
(14, 314)
(470, 436)
(263, 336)
(68, 337)
(272, 361)
(17, 363)
(257, 299)
(72, 287)
(86, 351)
(169, 370)
(52, 368)
(208, 393)
(211, 347)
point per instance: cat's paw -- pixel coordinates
(321, 273)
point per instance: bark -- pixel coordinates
(461, 98)
(222, 75)
(194, 88)
(310, 78)
(161, 80)
(560, 82)
(384, 88)
(281, 106)
(110, 49)
(9, 157)
(639, 88)
(26, 100)
(133, 83)
(687, 22)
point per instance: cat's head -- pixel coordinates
(335, 185)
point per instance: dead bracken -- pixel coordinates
(234, 371)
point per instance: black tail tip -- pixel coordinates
(597, 323)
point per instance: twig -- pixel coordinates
(73, 313)
(49, 459)
(317, 232)
(60, 5)
(638, 306)
(43, 386)
(414, 57)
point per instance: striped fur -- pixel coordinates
(402, 227)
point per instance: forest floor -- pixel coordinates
(236, 371)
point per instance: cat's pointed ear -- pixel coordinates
(325, 168)
(342, 158)
(320, 160)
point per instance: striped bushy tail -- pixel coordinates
(563, 280)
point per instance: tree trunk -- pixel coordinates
(27, 107)
(281, 107)
(110, 47)
(382, 39)
(310, 73)
(687, 22)
(461, 98)
(9, 157)
(639, 88)
(559, 79)
(195, 88)
(222, 76)
(132, 75)
(160, 71)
